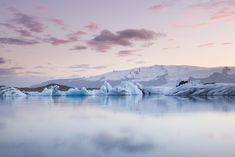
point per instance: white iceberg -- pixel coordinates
(78, 92)
(130, 88)
(156, 90)
(106, 87)
(10, 92)
(126, 88)
(199, 89)
(52, 91)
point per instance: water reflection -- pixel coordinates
(117, 126)
(148, 104)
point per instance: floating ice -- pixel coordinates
(130, 88)
(126, 88)
(156, 90)
(106, 87)
(10, 92)
(218, 89)
(52, 91)
(78, 92)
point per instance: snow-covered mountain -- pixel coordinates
(157, 75)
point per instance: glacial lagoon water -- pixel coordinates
(131, 126)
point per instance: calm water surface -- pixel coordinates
(117, 127)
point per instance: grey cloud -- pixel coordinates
(82, 67)
(22, 32)
(161, 5)
(124, 53)
(140, 62)
(30, 72)
(15, 41)
(28, 22)
(79, 70)
(210, 4)
(80, 47)
(7, 25)
(17, 68)
(138, 34)
(9, 71)
(59, 41)
(56, 41)
(2, 60)
(38, 67)
(106, 39)
(99, 67)
(158, 7)
(6, 72)
(13, 71)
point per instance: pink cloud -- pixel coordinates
(92, 26)
(30, 22)
(163, 5)
(56, 21)
(225, 14)
(104, 47)
(24, 33)
(69, 38)
(16, 41)
(171, 39)
(79, 33)
(125, 53)
(41, 8)
(189, 18)
(219, 10)
(76, 35)
(158, 7)
(227, 43)
(57, 41)
(140, 62)
(206, 45)
(173, 47)
(212, 4)
(212, 11)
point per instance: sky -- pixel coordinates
(54, 39)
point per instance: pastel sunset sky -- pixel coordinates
(50, 39)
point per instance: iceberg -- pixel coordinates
(200, 89)
(10, 92)
(189, 88)
(78, 92)
(156, 90)
(106, 87)
(126, 88)
(52, 91)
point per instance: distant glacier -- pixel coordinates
(157, 75)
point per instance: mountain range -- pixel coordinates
(156, 75)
